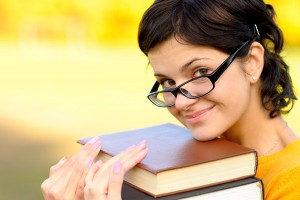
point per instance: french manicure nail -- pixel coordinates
(90, 162)
(93, 140)
(63, 159)
(99, 162)
(131, 147)
(142, 144)
(96, 144)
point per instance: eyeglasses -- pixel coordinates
(194, 88)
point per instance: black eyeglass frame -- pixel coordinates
(213, 77)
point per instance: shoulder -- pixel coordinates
(283, 176)
(289, 175)
(287, 161)
(288, 157)
(285, 184)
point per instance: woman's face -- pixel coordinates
(211, 115)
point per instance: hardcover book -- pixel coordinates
(246, 189)
(176, 162)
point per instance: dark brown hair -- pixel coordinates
(225, 25)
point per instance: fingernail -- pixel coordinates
(142, 144)
(63, 159)
(99, 162)
(117, 168)
(96, 144)
(91, 162)
(131, 147)
(93, 140)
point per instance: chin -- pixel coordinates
(204, 139)
(197, 133)
(202, 134)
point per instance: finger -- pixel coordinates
(77, 163)
(134, 157)
(55, 167)
(78, 173)
(66, 178)
(50, 187)
(115, 182)
(81, 184)
(93, 170)
(90, 149)
(128, 158)
(91, 189)
(53, 190)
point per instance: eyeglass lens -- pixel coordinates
(192, 89)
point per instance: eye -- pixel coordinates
(168, 84)
(201, 72)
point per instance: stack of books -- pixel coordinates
(180, 167)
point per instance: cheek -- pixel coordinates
(173, 111)
(233, 84)
(231, 97)
(233, 94)
(176, 114)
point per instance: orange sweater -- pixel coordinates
(280, 173)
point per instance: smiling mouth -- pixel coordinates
(197, 116)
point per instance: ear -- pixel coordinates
(255, 62)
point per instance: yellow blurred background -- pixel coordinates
(72, 69)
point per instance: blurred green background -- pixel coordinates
(72, 69)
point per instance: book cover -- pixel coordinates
(176, 162)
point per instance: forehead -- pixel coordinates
(168, 47)
(176, 53)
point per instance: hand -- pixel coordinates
(67, 178)
(104, 180)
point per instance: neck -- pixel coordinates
(268, 136)
(256, 130)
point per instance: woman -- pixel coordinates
(219, 72)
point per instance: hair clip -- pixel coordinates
(256, 31)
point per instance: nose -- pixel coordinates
(183, 103)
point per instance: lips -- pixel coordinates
(197, 116)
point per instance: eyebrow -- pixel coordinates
(185, 66)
